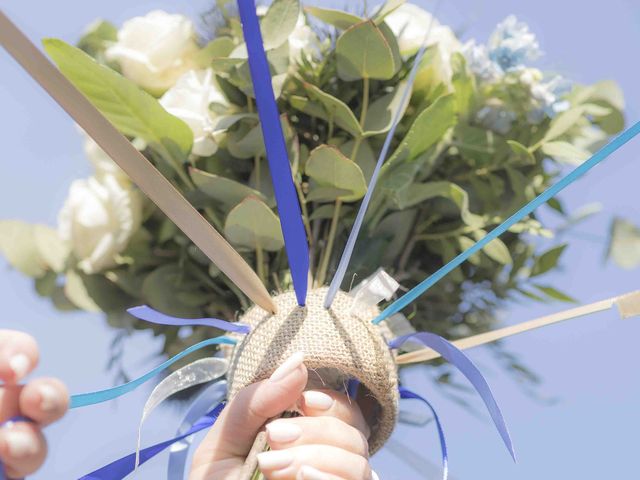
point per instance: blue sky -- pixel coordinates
(588, 366)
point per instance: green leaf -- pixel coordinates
(522, 152)
(164, 289)
(32, 249)
(365, 157)
(335, 109)
(382, 111)
(279, 21)
(555, 294)
(217, 49)
(132, 110)
(428, 128)
(76, 291)
(97, 38)
(421, 192)
(565, 152)
(337, 18)
(624, 244)
(562, 123)
(463, 83)
(547, 260)
(224, 190)
(496, 249)
(252, 224)
(330, 168)
(53, 251)
(363, 52)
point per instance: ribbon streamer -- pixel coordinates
(295, 237)
(406, 393)
(141, 171)
(122, 467)
(201, 371)
(624, 304)
(92, 398)
(148, 314)
(357, 224)
(541, 199)
(212, 395)
(459, 360)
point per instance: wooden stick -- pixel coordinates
(627, 303)
(141, 171)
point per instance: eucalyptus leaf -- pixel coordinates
(365, 157)
(496, 249)
(161, 287)
(336, 110)
(252, 224)
(132, 110)
(222, 189)
(330, 168)
(279, 22)
(218, 48)
(624, 244)
(52, 249)
(97, 38)
(382, 111)
(19, 246)
(363, 52)
(337, 18)
(387, 7)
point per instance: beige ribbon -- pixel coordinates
(141, 171)
(628, 306)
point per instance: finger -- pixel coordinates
(9, 401)
(286, 464)
(310, 473)
(22, 449)
(44, 400)
(293, 432)
(317, 403)
(234, 432)
(18, 355)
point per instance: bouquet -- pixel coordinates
(483, 132)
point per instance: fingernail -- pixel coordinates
(20, 444)
(374, 475)
(49, 400)
(310, 473)
(20, 364)
(317, 400)
(288, 366)
(282, 431)
(275, 459)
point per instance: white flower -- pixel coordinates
(190, 100)
(512, 45)
(154, 50)
(102, 162)
(409, 23)
(98, 219)
(546, 94)
(303, 40)
(479, 62)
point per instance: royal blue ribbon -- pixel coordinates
(541, 199)
(212, 395)
(84, 399)
(295, 238)
(458, 359)
(406, 393)
(148, 314)
(125, 465)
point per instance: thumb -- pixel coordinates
(235, 431)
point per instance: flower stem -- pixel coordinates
(365, 100)
(260, 267)
(326, 256)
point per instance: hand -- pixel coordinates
(329, 442)
(22, 445)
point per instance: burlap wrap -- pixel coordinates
(341, 339)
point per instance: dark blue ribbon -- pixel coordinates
(148, 314)
(406, 393)
(458, 359)
(295, 238)
(125, 465)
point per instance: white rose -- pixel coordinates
(102, 162)
(98, 219)
(409, 23)
(155, 50)
(190, 100)
(302, 40)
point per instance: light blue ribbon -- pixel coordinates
(458, 359)
(84, 399)
(406, 393)
(541, 199)
(148, 314)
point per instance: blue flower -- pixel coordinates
(495, 116)
(547, 94)
(479, 62)
(512, 45)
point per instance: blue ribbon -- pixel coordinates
(84, 399)
(406, 393)
(295, 238)
(541, 199)
(180, 450)
(125, 465)
(458, 359)
(148, 314)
